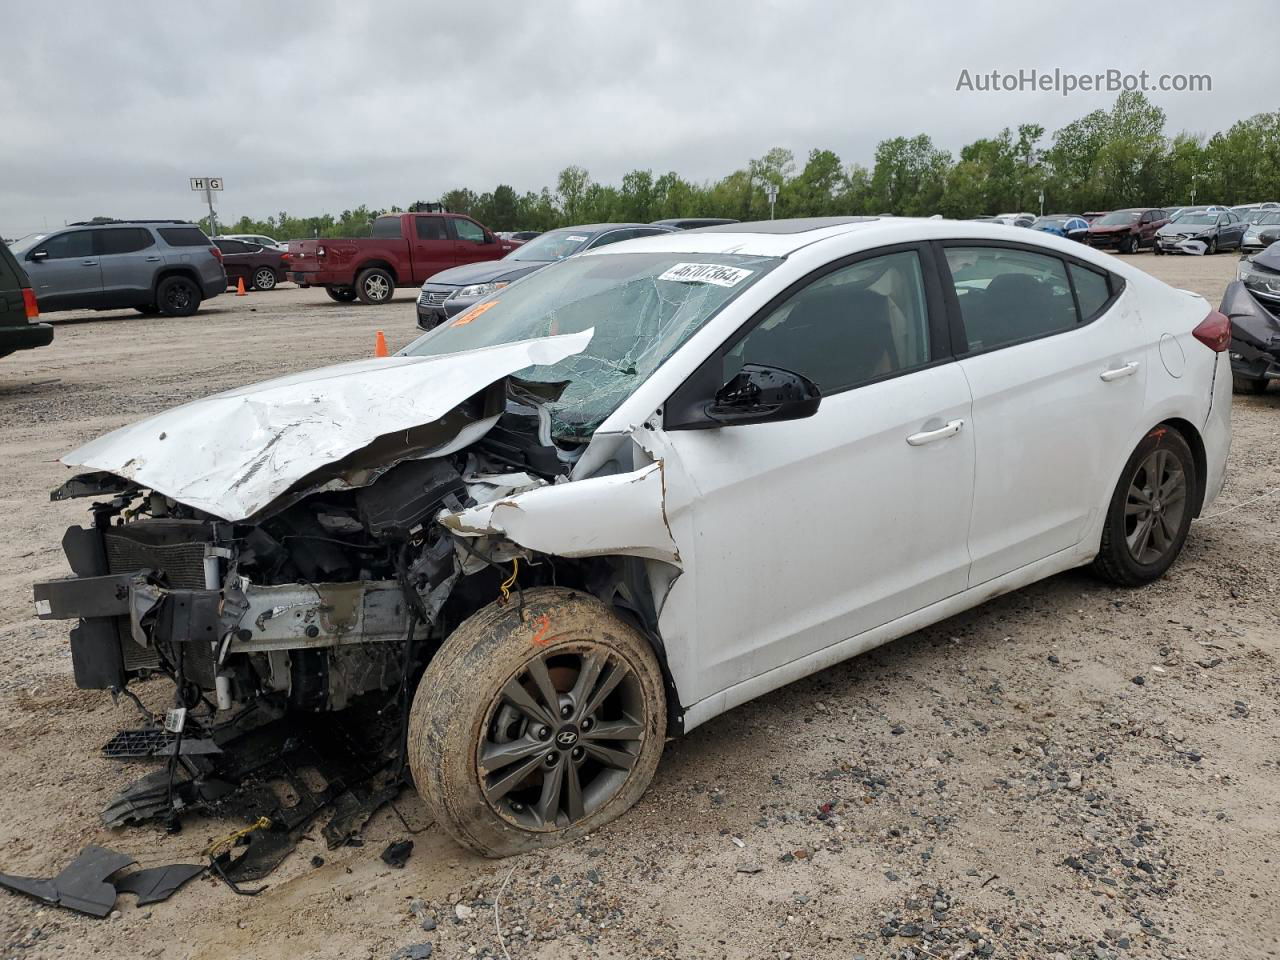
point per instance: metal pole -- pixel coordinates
(213, 220)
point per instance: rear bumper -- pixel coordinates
(26, 336)
(320, 278)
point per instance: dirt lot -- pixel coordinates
(1072, 770)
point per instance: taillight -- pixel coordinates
(216, 252)
(29, 301)
(1214, 331)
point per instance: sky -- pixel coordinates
(107, 108)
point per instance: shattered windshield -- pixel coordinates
(643, 306)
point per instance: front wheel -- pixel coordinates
(529, 732)
(375, 285)
(1150, 511)
(264, 278)
(1213, 246)
(1129, 245)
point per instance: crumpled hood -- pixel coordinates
(470, 273)
(234, 453)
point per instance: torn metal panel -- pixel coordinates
(156, 884)
(233, 454)
(623, 514)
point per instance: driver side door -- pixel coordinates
(797, 535)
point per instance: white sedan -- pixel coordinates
(649, 483)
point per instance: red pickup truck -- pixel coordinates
(404, 250)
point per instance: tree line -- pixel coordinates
(1107, 159)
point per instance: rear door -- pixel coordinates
(129, 259)
(433, 247)
(1057, 362)
(237, 260)
(64, 271)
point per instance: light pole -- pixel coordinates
(1194, 178)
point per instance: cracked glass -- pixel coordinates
(642, 306)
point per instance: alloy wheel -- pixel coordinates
(561, 737)
(377, 288)
(264, 279)
(1155, 506)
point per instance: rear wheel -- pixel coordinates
(264, 278)
(526, 733)
(1150, 511)
(341, 294)
(375, 285)
(178, 297)
(1241, 384)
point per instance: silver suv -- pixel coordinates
(153, 266)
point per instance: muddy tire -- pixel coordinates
(1150, 511)
(1241, 384)
(375, 285)
(528, 734)
(341, 294)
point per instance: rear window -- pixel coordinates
(1092, 290)
(386, 227)
(184, 237)
(124, 240)
(8, 278)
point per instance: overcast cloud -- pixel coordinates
(107, 108)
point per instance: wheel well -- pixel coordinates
(175, 272)
(382, 264)
(1192, 436)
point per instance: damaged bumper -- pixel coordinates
(128, 619)
(1255, 332)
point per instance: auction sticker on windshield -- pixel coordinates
(716, 273)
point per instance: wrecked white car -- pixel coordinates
(630, 492)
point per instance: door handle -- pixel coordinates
(153, 259)
(928, 436)
(1117, 373)
(88, 263)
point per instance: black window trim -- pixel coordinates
(959, 336)
(682, 411)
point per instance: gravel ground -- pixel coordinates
(1069, 771)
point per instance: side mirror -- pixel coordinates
(762, 394)
(39, 255)
(490, 238)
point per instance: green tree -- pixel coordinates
(571, 188)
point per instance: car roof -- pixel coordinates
(599, 227)
(780, 238)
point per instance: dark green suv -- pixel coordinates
(18, 328)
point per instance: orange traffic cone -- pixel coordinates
(380, 346)
(239, 286)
